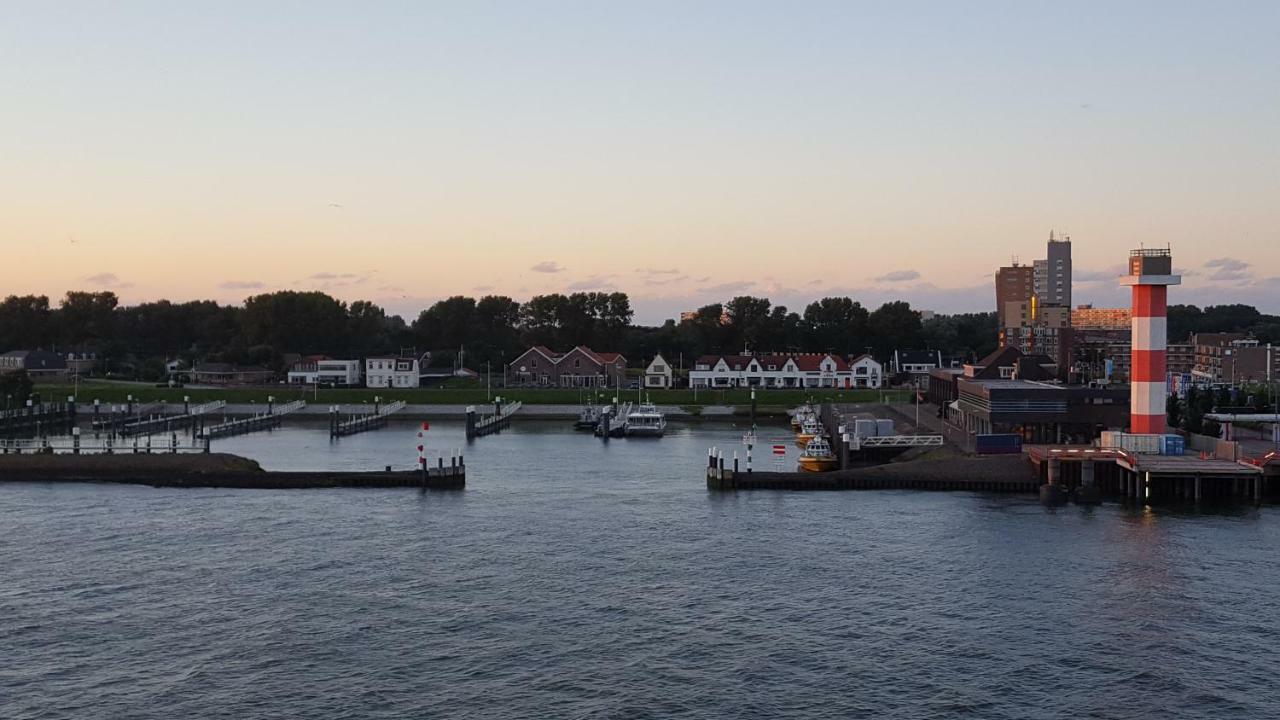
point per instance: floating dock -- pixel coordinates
(361, 422)
(490, 424)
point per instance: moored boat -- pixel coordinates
(808, 431)
(817, 456)
(588, 418)
(646, 421)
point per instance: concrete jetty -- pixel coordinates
(215, 470)
(1010, 474)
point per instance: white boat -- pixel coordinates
(646, 421)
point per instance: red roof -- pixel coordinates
(812, 362)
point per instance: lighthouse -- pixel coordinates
(1150, 275)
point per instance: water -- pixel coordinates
(575, 579)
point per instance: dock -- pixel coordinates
(1006, 474)
(1097, 472)
(272, 418)
(361, 422)
(38, 418)
(490, 424)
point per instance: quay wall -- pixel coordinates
(986, 474)
(206, 471)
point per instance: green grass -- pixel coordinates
(772, 399)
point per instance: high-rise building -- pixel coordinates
(1014, 284)
(1052, 276)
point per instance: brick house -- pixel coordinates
(579, 367)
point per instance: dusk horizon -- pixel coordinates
(683, 155)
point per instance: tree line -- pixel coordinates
(135, 340)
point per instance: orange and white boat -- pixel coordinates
(817, 456)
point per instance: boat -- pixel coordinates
(817, 456)
(646, 421)
(800, 415)
(588, 418)
(810, 430)
(615, 418)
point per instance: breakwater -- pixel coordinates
(216, 470)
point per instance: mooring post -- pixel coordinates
(1088, 493)
(1051, 492)
(735, 462)
(71, 411)
(75, 441)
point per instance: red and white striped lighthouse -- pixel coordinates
(1150, 275)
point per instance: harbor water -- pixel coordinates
(576, 578)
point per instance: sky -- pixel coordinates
(683, 152)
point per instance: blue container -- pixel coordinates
(1003, 444)
(1173, 445)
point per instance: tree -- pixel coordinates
(26, 322)
(15, 388)
(835, 324)
(297, 322)
(1174, 409)
(748, 320)
(894, 325)
(88, 318)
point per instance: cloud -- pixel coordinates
(332, 276)
(107, 280)
(1228, 269)
(658, 271)
(482, 288)
(656, 281)
(730, 287)
(242, 285)
(899, 276)
(1110, 274)
(1227, 263)
(548, 266)
(595, 282)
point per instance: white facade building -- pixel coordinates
(806, 370)
(392, 372)
(336, 373)
(867, 373)
(658, 375)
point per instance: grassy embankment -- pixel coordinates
(767, 400)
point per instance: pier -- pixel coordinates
(38, 418)
(76, 445)
(361, 422)
(272, 418)
(853, 449)
(490, 424)
(1088, 474)
(1007, 474)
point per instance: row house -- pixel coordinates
(580, 367)
(806, 370)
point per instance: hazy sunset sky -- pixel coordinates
(684, 152)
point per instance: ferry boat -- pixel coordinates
(646, 421)
(808, 431)
(817, 456)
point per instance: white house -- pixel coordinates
(658, 375)
(804, 370)
(867, 373)
(392, 372)
(327, 371)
